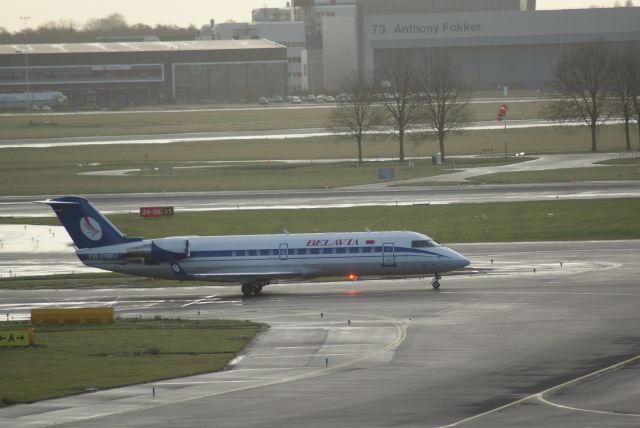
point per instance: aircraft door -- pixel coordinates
(388, 254)
(284, 251)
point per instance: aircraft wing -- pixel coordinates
(264, 274)
(248, 275)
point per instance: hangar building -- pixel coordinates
(513, 48)
(112, 75)
(495, 42)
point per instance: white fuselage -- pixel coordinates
(268, 257)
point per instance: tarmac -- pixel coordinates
(540, 334)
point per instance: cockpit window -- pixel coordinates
(424, 244)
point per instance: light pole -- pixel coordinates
(26, 63)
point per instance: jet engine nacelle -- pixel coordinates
(160, 250)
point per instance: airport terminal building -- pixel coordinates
(115, 75)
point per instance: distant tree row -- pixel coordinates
(109, 27)
(594, 83)
(597, 82)
(429, 97)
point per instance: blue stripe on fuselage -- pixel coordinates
(271, 253)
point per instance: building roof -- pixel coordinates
(190, 45)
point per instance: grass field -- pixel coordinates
(633, 159)
(205, 178)
(568, 175)
(30, 171)
(159, 122)
(85, 280)
(76, 358)
(490, 222)
(153, 177)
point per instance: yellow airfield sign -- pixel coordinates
(9, 338)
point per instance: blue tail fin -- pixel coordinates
(87, 227)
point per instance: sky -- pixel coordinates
(181, 12)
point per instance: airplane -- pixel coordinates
(252, 260)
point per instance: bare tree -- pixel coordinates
(356, 114)
(632, 75)
(625, 88)
(67, 31)
(115, 21)
(444, 98)
(584, 80)
(398, 83)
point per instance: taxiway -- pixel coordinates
(23, 206)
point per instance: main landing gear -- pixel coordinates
(249, 288)
(436, 281)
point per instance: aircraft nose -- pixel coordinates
(464, 262)
(459, 260)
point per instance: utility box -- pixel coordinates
(436, 159)
(104, 315)
(386, 174)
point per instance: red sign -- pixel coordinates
(502, 113)
(156, 211)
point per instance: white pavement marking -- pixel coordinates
(577, 409)
(204, 300)
(283, 357)
(541, 394)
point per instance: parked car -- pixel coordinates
(263, 101)
(329, 99)
(296, 100)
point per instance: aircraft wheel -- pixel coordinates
(257, 289)
(435, 285)
(247, 289)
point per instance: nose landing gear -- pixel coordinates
(436, 281)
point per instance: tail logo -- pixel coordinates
(91, 228)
